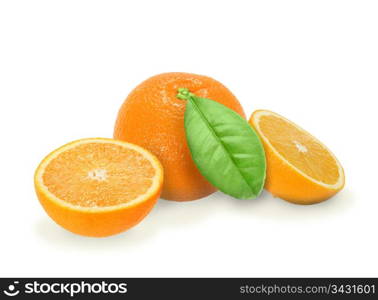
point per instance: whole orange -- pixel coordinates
(153, 117)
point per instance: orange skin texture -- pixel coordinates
(153, 117)
(283, 181)
(99, 223)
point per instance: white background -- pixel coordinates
(66, 67)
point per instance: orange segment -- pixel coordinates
(98, 187)
(98, 175)
(300, 149)
(299, 167)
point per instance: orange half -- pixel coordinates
(98, 187)
(300, 168)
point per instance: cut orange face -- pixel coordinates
(300, 168)
(98, 187)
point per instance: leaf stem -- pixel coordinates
(184, 94)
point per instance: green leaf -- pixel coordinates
(225, 148)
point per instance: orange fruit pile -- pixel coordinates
(98, 187)
(153, 117)
(300, 168)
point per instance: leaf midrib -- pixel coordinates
(218, 139)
